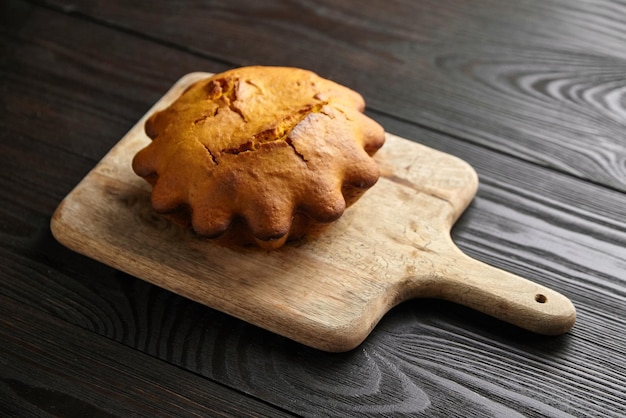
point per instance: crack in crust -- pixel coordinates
(208, 150)
(289, 142)
(279, 133)
(225, 90)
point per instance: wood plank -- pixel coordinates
(58, 84)
(540, 80)
(430, 357)
(51, 367)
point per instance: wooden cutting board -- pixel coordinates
(329, 292)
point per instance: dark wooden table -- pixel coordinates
(531, 93)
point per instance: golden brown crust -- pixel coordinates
(260, 154)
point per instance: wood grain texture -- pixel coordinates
(429, 358)
(126, 383)
(527, 79)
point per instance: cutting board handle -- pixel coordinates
(500, 294)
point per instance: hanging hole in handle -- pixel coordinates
(541, 298)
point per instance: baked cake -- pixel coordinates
(260, 154)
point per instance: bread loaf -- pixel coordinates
(260, 155)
